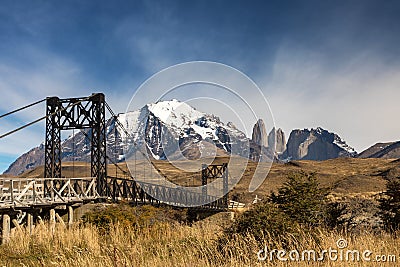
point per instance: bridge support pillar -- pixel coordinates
(29, 223)
(70, 216)
(52, 220)
(6, 229)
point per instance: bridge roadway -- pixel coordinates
(35, 193)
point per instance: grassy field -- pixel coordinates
(346, 176)
(169, 244)
(355, 182)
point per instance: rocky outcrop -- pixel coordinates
(316, 144)
(276, 138)
(259, 135)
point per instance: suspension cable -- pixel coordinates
(86, 163)
(44, 117)
(107, 157)
(115, 144)
(22, 127)
(19, 109)
(117, 166)
(128, 134)
(73, 153)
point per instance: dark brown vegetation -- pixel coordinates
(353, 182)
(345, 175)
(292, 217)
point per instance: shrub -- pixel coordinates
(126, 215)
(302, 199)
(335, 215)
(389, 205)
(264, 219)
(299, 206)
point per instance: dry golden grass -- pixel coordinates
(166, 244)
(169, 245)
(347, 177)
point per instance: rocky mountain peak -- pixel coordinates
(277, 138)
(168, 125)
(317, 144)
(259, 135)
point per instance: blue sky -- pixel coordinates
(330, 64)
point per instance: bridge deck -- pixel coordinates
(31, 193)
(23, 193)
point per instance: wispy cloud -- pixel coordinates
(358, 100)
(44, 74)
(319, 64)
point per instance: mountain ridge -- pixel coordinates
(382, 150)
(194, 134)
(170, 130)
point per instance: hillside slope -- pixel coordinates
(345, 176)
(390, 150)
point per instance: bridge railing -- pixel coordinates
(131, 190)
(28, 192)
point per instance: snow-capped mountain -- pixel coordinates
(172, 129)
(169, 129)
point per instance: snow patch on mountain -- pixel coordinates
(342, 144)
(167, 128)
(174, 113)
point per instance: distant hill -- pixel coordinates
(347, 176)
(382, 150)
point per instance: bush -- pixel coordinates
(264, 219)
(125, 215)
(298, 205)
(288, 215)
(389, 205)
(337, 215)
(302, 199)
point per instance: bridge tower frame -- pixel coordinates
(76, 113)
(215, 171)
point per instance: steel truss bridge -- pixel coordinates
(53, 190)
